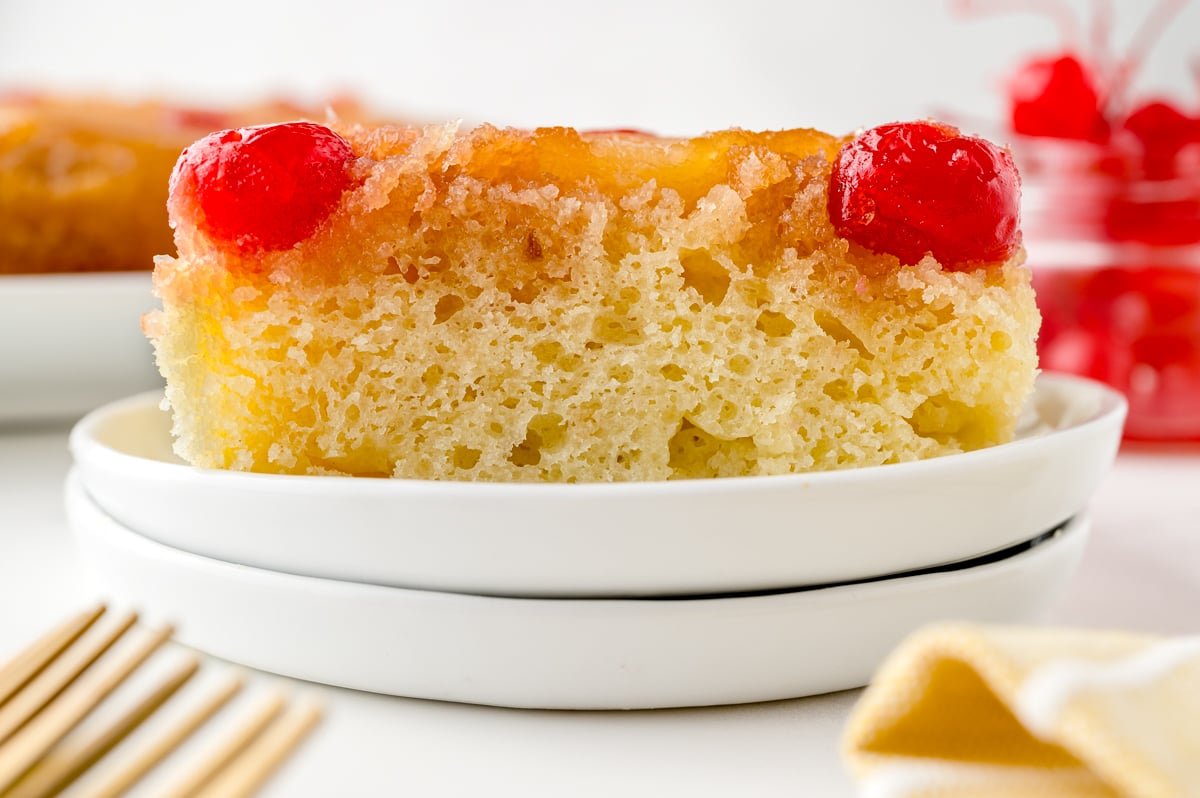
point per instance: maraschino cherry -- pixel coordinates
(262, 189)
(1057, 97)
(1132, 319)
(916, 188)
(1083, 97)
(1163, 131)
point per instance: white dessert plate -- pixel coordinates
(72, 342)
(628, 539)
(557, 653)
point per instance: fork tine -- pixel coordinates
(18, 671)
(216, 759)
(139, 762)
(41, 733)
(56, 677)
(252, 767)
(60, 768)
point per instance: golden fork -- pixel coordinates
(49, 689)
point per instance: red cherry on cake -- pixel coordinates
(1057, 97)
(917, 188)
(261, 189)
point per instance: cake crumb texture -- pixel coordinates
(549, 306)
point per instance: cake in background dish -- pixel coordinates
(553, 305)
(83, 180)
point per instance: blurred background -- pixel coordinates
(672, 67)
(1111, 208)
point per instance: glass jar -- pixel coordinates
(1116, 267)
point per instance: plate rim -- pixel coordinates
(715, 536)
(24, 282)
(1063, 536)
(1112, 410)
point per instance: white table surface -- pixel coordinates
(1141, 572)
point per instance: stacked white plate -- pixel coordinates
(588, 596)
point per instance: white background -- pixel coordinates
(673, 67)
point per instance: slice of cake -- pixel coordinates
(563, 306)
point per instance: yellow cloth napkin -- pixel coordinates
(992, 712)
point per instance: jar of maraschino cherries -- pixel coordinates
(1111, 216)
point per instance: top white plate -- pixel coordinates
(626, 539)
(71, 342)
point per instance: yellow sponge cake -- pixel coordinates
(553, 305)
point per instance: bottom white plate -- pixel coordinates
(556, 653)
